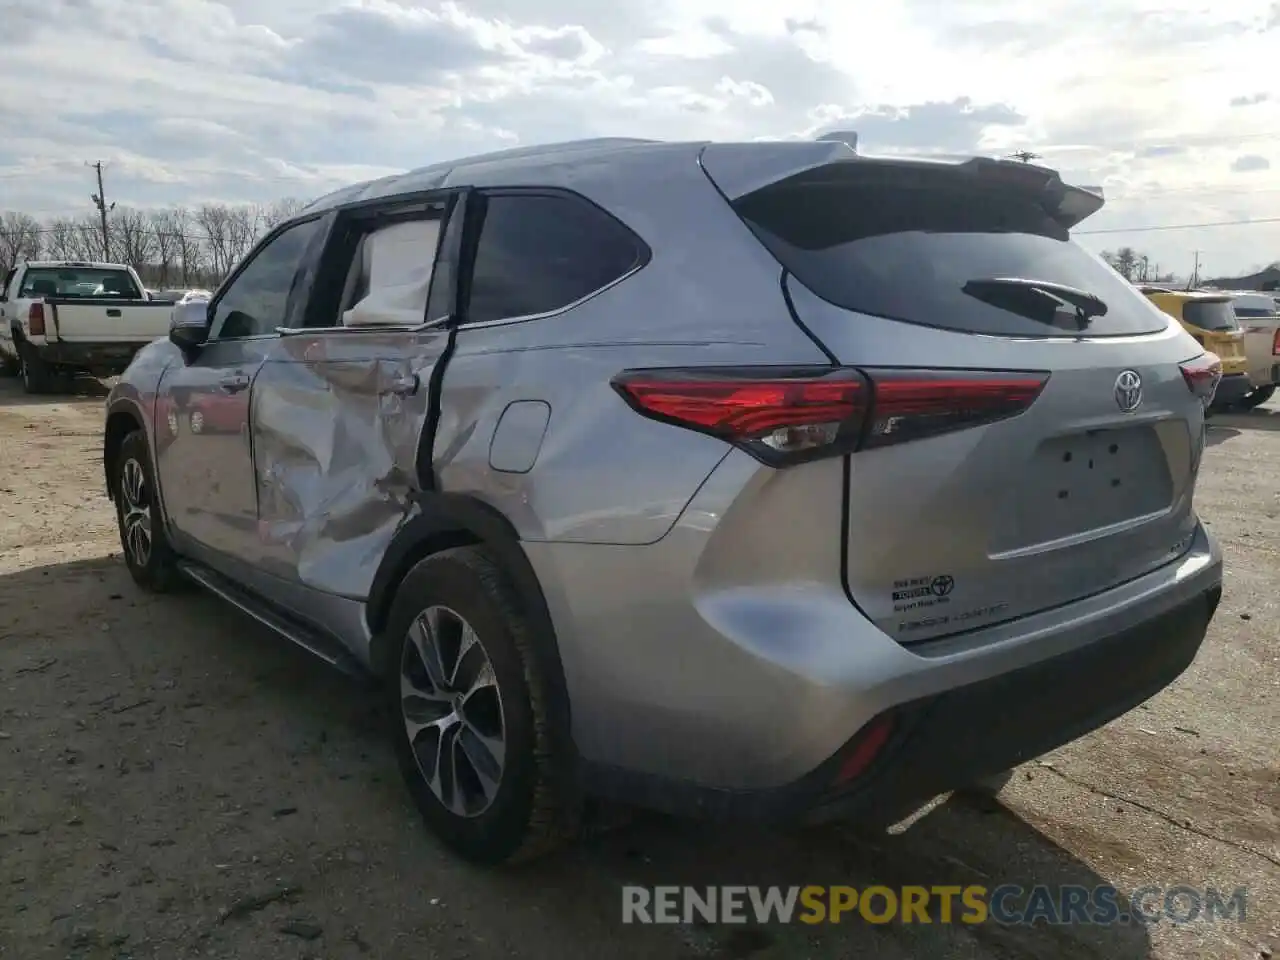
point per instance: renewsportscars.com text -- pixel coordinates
(1008, 904)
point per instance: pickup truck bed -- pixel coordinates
(49, 333)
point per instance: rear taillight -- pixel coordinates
(1202, 375)
(1275, 344)
(35, 320)
(787, 416)
(912, 404)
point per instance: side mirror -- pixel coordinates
(189, 325)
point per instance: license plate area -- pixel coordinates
(1088, 481)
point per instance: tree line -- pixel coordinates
(169, 247)
(1135, 266)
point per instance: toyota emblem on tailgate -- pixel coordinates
(1128, 391)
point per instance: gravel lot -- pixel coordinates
(176, 782)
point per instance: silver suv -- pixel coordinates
(745, 480)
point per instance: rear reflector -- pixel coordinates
(1275, 344)
(1202, 375)
(35, 320)
(870, 742)
(784, 416)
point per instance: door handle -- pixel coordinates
(234, 383)
(112, 312)
(405, 386)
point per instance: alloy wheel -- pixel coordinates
(452, 711)
(135, 509)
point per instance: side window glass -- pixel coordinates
(255, 302)
(537, 254)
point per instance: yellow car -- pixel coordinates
(1211, 319)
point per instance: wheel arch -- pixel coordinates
(123, 418)
(444, 521)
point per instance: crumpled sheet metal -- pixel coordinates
(336, 455)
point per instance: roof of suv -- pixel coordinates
(737, 168)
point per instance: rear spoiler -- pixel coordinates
(739, 169)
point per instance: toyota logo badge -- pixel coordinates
(1128, 391)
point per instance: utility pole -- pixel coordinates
(1195, 273)
(100, 202)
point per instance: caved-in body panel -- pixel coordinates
(336, 432)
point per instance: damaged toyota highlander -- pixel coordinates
(763, 481)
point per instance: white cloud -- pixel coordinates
(1173, 105)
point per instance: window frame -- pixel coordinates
(334, 261)
(296, 293)
(644, 254)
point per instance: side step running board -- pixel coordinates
(315, 641)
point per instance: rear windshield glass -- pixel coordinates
(1210, 315)
(79, 282)
(911, 251)
(1253, 312)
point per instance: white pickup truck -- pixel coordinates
(60, 318)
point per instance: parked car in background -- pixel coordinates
(1259, 317)
(759, 480)
(183, 295)
(1210, 318)
(61, 318)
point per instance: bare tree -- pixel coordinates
(165, 243)
(190, 248)
(214, 221)
(242, 232)
(20, 237)
(60, 241)
(88, 239)
(276, 213)
(135, 242)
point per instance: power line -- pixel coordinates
(1181, 226)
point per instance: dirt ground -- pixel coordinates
(176, 782)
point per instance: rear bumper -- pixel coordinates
(1233, 388)
(948, 740)
(99, 358)
(745, 700)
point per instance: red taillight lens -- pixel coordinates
(790, 416)
(780, 415)
(1202, 375)
(1275, 344)
(911, 404)
(35, 320)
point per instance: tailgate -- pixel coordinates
(975, 498)
(106, 321)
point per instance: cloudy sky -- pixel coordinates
(1172, 105)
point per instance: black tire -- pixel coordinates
(1258, 397)
(527, 816)
(156, 569)
(37, 376)
(9, 366)
(990, 785)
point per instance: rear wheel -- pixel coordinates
(469, 712)
(37, 376)
(147, 553)
(1258, 397)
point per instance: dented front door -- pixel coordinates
(336, 418)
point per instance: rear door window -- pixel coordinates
(83, 282)
(912, 248)
(1210, 315)
(540, 253)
